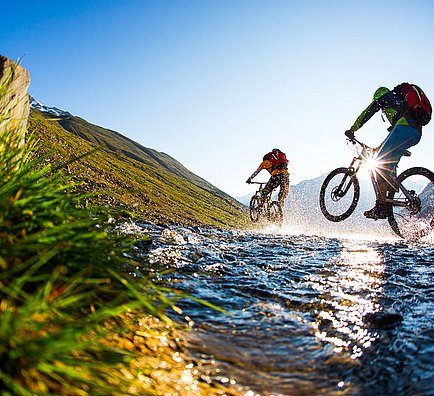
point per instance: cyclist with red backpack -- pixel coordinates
(276, 164)
(407, 109)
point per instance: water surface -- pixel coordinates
(305, 314)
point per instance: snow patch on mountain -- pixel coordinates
(34, 104)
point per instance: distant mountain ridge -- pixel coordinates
(145, 180)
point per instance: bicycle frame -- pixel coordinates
(366, 154)
(265, 207)
(267, 200)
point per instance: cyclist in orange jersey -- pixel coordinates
(276, 164)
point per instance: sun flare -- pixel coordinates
(371, 164)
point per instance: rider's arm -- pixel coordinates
(264, 165)
(389, 102)
(366, 115)
(255, 173)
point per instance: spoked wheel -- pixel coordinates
(255, 210)
(275, 213)
(339, 194)
(413, 219)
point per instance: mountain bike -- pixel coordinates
(410, 197)
(270, 210)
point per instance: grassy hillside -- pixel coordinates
(149, 184)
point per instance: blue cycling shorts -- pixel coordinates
(400, 138)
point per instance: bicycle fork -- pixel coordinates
(343, 187)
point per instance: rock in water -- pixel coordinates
(384, 319)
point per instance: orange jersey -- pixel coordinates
(266, 164)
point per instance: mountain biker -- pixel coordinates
(404, 132)
(276, 164)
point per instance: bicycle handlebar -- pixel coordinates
(252, 182)
(354, 141)
(363, 145)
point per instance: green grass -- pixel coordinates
(62, 277)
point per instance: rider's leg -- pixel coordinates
(284, 189)
(268, 189)
(382, 183)
(381, 208)
(400, 138)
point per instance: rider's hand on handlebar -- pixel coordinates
(349, 134)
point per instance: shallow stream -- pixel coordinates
(305, 314)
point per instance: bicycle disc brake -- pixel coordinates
(336, 194)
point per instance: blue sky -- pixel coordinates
(216, 84)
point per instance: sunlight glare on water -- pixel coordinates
(353, 289)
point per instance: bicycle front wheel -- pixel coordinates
(339, 194)
(275, 213)
(413, 218)
(255, 209)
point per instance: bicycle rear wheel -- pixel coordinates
(339, 194)
(275, 213)
(413, 220)
(255, 209)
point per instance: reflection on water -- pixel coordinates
(352, 288)
(305, 314)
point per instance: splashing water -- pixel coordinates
(305, 314)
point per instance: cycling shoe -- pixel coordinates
(379, 211)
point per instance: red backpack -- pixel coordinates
(418, 104)
(278, 159)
